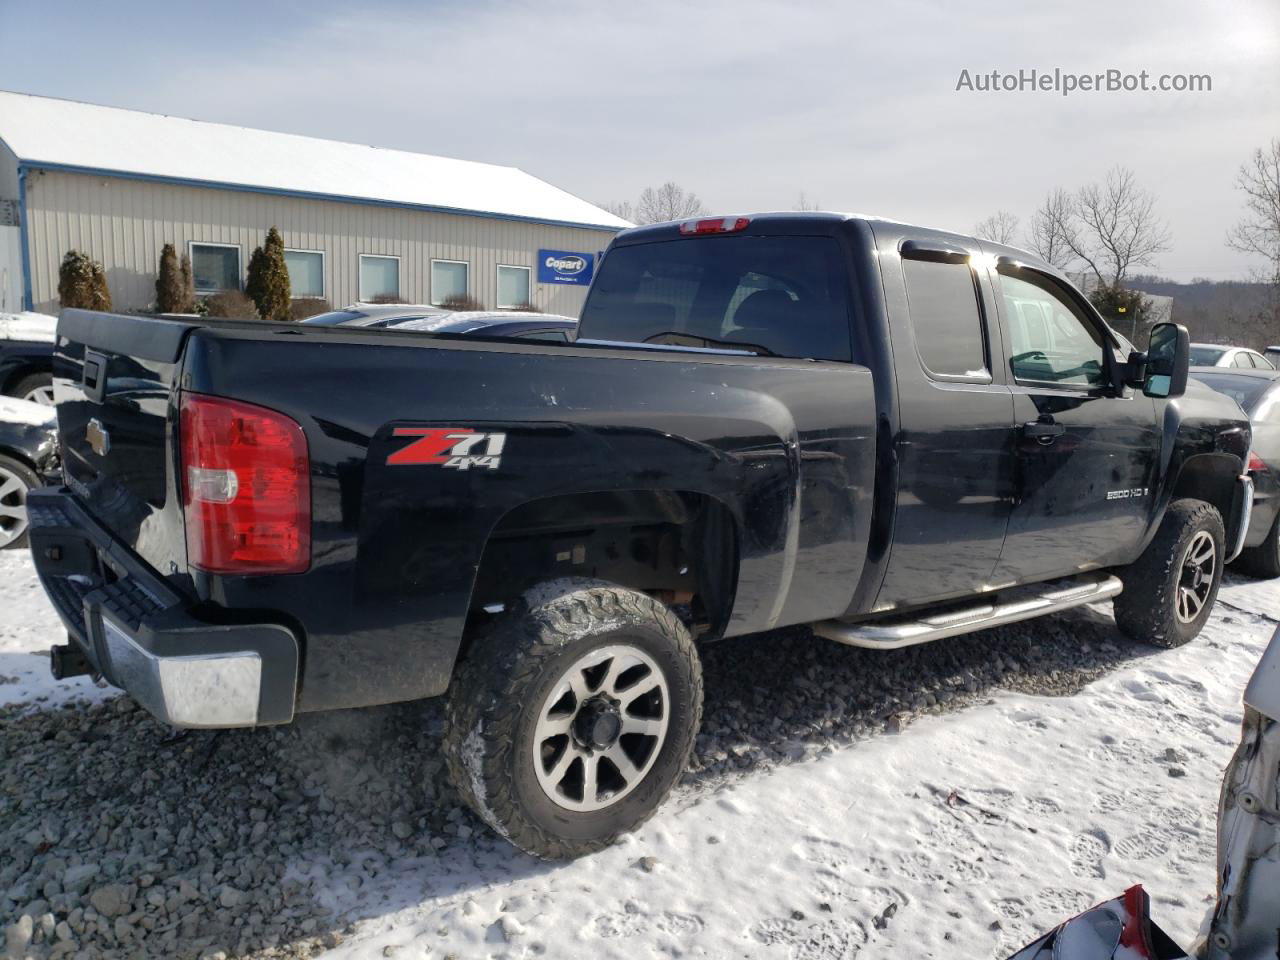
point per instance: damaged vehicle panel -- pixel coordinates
(1246, 920)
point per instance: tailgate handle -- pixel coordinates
(94, 377)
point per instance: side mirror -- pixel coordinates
(1168, 358)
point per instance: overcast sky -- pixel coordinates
(746, 103)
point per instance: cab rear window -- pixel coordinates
(775, 296)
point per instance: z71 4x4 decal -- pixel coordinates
(459, 448)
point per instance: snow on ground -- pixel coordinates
(28, 628)
(963, 836)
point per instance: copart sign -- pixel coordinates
(563, 266)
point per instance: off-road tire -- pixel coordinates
(1263, 560)
(1145, 611)
(499, 687)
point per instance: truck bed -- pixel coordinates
(785, 445)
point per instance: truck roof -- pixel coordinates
(826, 221)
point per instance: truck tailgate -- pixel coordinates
(114, 382)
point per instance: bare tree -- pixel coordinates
(620, 208)
(1114, 227)
(667, 202)
(1000, 227)
(804, 203)
(1050, 226)
(1259, 232)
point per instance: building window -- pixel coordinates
(306, 272)
(449, 278)
(215, 267)
(513, 287)
(379, 277)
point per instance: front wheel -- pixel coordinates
(570, 721)
(1169, 591)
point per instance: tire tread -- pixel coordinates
(1144, 611)
(484, 699)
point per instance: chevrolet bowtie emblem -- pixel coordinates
(98, 439)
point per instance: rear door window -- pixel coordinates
(776, 296)
(943, 301)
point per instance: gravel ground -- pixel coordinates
(123, 839)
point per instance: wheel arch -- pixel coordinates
(1211, 477)
(679, 546)
(19, 367)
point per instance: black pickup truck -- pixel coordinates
(894, 434)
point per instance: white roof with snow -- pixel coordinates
(43, 131)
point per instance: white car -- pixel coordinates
(1218, 355)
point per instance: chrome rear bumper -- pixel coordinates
(138, 633)
(191, 690)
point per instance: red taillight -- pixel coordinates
(246, 487)
(714, 225)
(1256, 464)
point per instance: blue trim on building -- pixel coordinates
(304, 194)
(23, 238)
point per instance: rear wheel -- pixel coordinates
(16, 481)
(1169, 591)
(35, 387)
(570, 721)
(1264, 559)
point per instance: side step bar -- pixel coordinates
(1010, 606)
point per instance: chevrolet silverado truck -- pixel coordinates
(891, 433)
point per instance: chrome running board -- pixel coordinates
(1009, 606)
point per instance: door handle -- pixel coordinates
(1044, 430)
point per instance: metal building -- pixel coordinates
(358, 222)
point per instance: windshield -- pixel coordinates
(1206, 356)
(781, 296)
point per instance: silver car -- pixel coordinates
(1220, 355)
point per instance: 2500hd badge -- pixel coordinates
(1127, 494)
